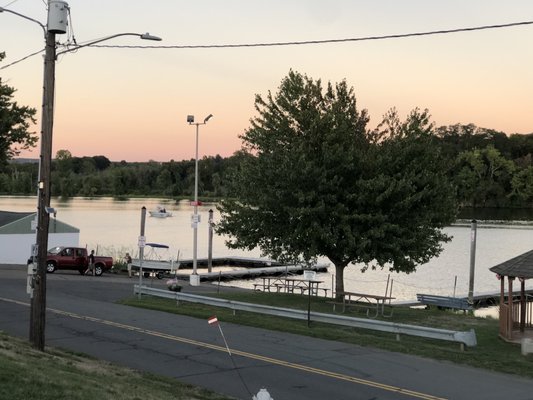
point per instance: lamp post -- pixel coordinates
(56, 24)
(195, 278)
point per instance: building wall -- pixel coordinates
(16, 249)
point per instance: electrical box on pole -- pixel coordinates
(57, 16)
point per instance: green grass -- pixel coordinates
(491, 352)
(26, 373)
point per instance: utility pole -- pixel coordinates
(473, 234)
(57, 23)
(58, 11)
(210, 243)
(142, 242)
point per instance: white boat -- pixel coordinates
(160, 212)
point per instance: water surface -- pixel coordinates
(113, 227)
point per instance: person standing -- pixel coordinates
(128, 262)
(91, 262)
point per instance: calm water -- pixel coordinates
(113, 227)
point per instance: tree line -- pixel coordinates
(489, 169)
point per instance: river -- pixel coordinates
(113, 227)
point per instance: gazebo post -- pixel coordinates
(504, 316)
(502, 289)
(522, 305)
(510, 318)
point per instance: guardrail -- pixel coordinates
(467, 338)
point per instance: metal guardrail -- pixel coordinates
(467, 338)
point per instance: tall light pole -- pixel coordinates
(56, 24)
(195, 278)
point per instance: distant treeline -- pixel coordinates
(489, 169)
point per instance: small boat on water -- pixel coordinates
(160, 212)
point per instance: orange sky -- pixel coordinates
(132, 104)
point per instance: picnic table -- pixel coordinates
(290, 285)
(370, 301)
(311, 286)
(269, 283)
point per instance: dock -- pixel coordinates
(481, 300)
(250, 268)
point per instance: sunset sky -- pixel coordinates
(132, 104)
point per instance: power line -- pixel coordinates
(21, 59)
(305, 42)
(326, 41)
(8, 4)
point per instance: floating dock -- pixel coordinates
(250, 268)
(481, 300)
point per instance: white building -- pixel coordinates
(17, 235)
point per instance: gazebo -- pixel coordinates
(516, 311)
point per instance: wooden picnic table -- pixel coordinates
(311, 286)
(376, 302)
(290, 285)
(270, 283)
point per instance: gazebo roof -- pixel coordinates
(519, 267)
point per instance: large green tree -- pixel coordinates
(314, 181)
(15, 121)
(484, 177)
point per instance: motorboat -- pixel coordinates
(160, 212)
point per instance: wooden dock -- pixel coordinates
(481, 300)
(250, 268)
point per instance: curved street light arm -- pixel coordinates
(144, 36)
(2, 9)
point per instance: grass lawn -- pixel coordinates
(26, 373)
(491, 352)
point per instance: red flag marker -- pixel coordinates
(214, 321)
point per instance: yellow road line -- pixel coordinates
(258, 357)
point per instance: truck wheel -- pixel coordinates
(50, 267)
(159, 275)
(98, 270)
(146, 274)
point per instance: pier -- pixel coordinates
(249, 268)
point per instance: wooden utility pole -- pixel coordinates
(38, 303)
(142, 242)
(473, 234)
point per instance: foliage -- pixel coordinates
(98, 176)
(315, 182)
(15, 121)
(484, 177)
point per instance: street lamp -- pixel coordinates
(195, 278)
(144, 36)
(56, 24)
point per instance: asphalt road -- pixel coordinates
(83, 316)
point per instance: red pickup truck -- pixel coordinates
(75, 258)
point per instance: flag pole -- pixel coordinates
(224, 338)
(214, 320)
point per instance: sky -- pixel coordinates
(132, 104)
